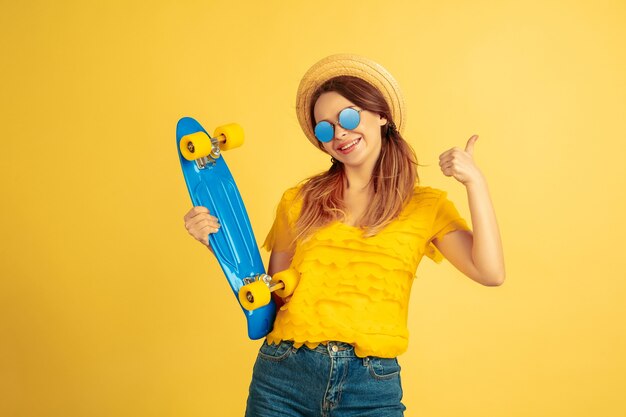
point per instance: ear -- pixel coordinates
(382, 120)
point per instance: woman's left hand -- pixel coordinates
(460, 164)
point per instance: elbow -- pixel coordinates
(493, 280)
(494, 283)
(489, 278)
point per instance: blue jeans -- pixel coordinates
(328, 381)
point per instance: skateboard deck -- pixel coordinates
(211, 184)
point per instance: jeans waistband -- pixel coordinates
(330, 348)
(334, 349)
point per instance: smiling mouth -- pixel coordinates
(349, 145)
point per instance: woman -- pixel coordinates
(355, 235)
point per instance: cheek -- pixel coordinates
(327, 147)
(373, 133)
(371, 128)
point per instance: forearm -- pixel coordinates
(487, 251)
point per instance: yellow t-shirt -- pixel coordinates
(354, 289)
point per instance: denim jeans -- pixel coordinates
(328, 381)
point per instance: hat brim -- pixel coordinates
(353, 65)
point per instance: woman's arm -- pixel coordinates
(279, 261)
(477, 254)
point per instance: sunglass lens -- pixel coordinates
(349, 118)
(324, 131)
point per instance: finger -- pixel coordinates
(469, 148)
(447, 170)
(194, 211)
(201, 234)
(445, 154)
(202, 222)
(207, 230)
(201, 216)
(448, 161)
(204, 233)
(449, 152)
(195, 223)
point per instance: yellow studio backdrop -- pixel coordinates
(109, 308)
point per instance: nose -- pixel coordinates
(340, 131)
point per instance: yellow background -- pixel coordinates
(109, 308)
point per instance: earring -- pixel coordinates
(333, 160)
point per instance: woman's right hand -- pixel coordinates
(200, 224)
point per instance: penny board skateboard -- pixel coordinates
(211, 184)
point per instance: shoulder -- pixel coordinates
(292, 193)
(428, 200)
(423, 202)
(426, 193)
(291, 202)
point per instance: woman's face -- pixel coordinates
(351, 147)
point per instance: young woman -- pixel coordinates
(355, 235)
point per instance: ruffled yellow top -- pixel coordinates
(354, 289)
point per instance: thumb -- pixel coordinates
(469, 148)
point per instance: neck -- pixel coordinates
(358, 177)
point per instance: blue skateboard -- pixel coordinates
(211, 185)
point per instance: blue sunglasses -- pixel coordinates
(349, 119)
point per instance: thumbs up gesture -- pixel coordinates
(459, 163)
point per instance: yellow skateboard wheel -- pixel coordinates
(232, 136)
(289, 278)
(195, 146)
(254, 295)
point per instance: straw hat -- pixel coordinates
(354, 65)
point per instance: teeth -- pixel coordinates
(349, 145)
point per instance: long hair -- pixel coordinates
(393, 178)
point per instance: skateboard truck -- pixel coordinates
(205, 150)
(257, 290)
(203, 161)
